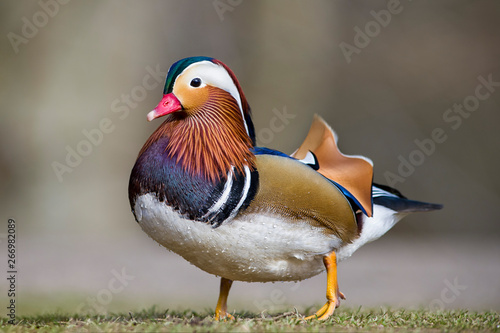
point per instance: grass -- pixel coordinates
(344, 320)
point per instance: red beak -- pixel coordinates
(169, 104)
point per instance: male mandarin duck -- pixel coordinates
(202, 188)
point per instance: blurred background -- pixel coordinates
(78, 78)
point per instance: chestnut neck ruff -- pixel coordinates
(209, 140)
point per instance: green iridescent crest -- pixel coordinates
(177, 68)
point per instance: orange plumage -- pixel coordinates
(195, 140)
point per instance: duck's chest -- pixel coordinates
(251, 247)
(193, 196)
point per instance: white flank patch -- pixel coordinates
(250, 247)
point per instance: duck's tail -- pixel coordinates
(393, 199)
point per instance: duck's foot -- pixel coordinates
(220, 315)
(333, 295)
(327, 310)
(221, 308)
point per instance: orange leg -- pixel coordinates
(221, 308)
(333, 295)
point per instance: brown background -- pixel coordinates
(287, 55)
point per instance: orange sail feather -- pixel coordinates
(354, 173)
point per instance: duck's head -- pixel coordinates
(208, 118)
(195, 86)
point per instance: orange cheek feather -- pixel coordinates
(192, 99)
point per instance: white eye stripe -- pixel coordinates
(214, 75)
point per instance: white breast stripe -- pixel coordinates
(246, 188)
(224, 196)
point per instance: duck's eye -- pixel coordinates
(196, 82)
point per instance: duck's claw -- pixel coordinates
(222, 315)
(327, 310)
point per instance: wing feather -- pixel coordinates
(297, 192)
(355, 173)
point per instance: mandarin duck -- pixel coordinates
(203, 189)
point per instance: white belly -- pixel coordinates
(253, 247)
